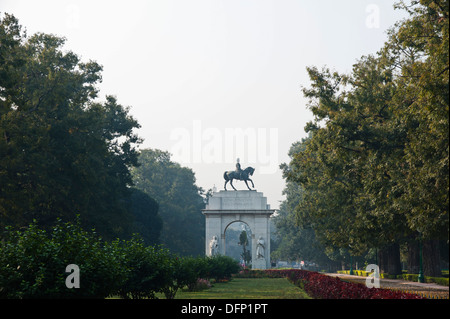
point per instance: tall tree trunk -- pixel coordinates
(431, 258)
(382, 260)
(394, 266)
(413, 257)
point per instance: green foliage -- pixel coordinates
(149, 269)
(409, 277)
(243, 241)
(180, 201)
(374, 172)
(63, 152)
(33, 263)
(222, 267)
(194, 268)
(295, 236)
(146, 220)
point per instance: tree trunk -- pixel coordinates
(382, 260)
(394, 264)
(431, 258)
(413, 257)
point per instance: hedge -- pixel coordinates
(33, 265)
(409, 277)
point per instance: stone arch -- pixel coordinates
(234, 222)
(249, 207)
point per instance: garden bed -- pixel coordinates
(430, 291)
(320, 286)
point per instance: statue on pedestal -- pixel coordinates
(239, 174)
(260, 248)
(214, 246)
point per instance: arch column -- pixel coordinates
(250, 207)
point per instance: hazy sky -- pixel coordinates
(201, 76)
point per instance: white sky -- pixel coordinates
(208, 66)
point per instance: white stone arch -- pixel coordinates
(249, 207)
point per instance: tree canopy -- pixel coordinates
(374, 172)
(63, 151)
(180, 200)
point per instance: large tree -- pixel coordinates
(296, 238)
(145, 214)
(375, 172)
(180, 200)
(62, 151)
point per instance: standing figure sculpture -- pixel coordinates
(214, 246)
(239, 174)
(260, 248)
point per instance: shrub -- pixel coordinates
(149, 269)
(194, 268)
(405, 276)
(247, 273)
(221, 267)
(185, 271)
(201, 284)
(415, 277)
(439, 281)
(33, 263)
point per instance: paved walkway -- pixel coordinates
(397, 283)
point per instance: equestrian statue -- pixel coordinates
(239, 174)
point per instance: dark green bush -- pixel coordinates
(439, 280)
(194, 268)
(149, 269)
(222, 267)
(415, 277)
(33, 263)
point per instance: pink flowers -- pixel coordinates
(202, 284)
(321, 286)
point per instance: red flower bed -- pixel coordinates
(325, 287)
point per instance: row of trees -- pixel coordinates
(65, 153)
(373, 175)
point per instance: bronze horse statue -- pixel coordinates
(241, 176)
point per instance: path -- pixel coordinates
(432, 288)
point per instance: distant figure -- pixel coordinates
(260, 248)
(214, 246)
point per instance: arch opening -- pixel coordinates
(238, 242)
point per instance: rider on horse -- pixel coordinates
(239, 174)
(238, 169)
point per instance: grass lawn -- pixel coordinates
(247, 288)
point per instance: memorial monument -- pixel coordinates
(247, 206)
